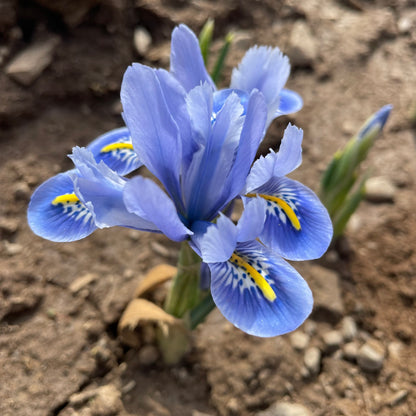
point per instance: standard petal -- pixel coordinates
(204, 181)
(145, 199)
(155, 134)
(56, 213)
(101, 190)
(115, 149)
(280, 163)
(265, 69)
(251, 136)
(297, 225)
(259, 292)
(290, 102)
(186, 62)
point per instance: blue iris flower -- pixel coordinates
(263, 68)
(200, 144)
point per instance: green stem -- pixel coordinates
(185, 292)
(200, 312)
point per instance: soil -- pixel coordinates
(59, 350)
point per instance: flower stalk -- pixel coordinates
(185, 292)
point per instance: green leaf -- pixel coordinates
(205, 39)
(349, 207)
(219, 65)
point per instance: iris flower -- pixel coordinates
(263, 68)
(200, 144)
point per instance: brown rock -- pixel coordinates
(27, 66)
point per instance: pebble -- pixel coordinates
(398, 397)
(148, 355)
(12, 249)
(82, 282)
(21, 191)
(27, 66)
(299, 340)
(379, 189)
(142, 40)
(326, 291)
(348, 328)
(312, 360)
(107, 401)
(332, 340)
(8, 226)
(404, 25)
(286, 409)
(350, 351)
(303, 49)
(370, 356)
(395, 350)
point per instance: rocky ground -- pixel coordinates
(61, 64)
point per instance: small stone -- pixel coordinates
(395, 350)
(21, 191)
(379, 189)
(350, 351)
(404, 24)
(142, 40)
(27, 66)
(233, 406)
(310, 327)
(107, 401)
(12, 249)
(148, 355)
(82, 282)
(302, 50)
(299, 340)
(326, 291)
(8, 226)
(348, 328)
(312, 360)
(371, 356)
(332, 340)
(286, 409)
(397, 398)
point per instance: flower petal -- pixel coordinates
(214, 242)
(266, 69)
(297, 225)
(186, 62)
(280, 163)
(204, 181)
(101, 190)
(56, 213)
(290, 102)
(251, 223)
(251, 136)
(376, 122)
(259, 292)
(155, 134)
(145, 199)
(115, 149)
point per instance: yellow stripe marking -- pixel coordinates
(116, 146)
(294, 220)
(260, 281)
(65, 199)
